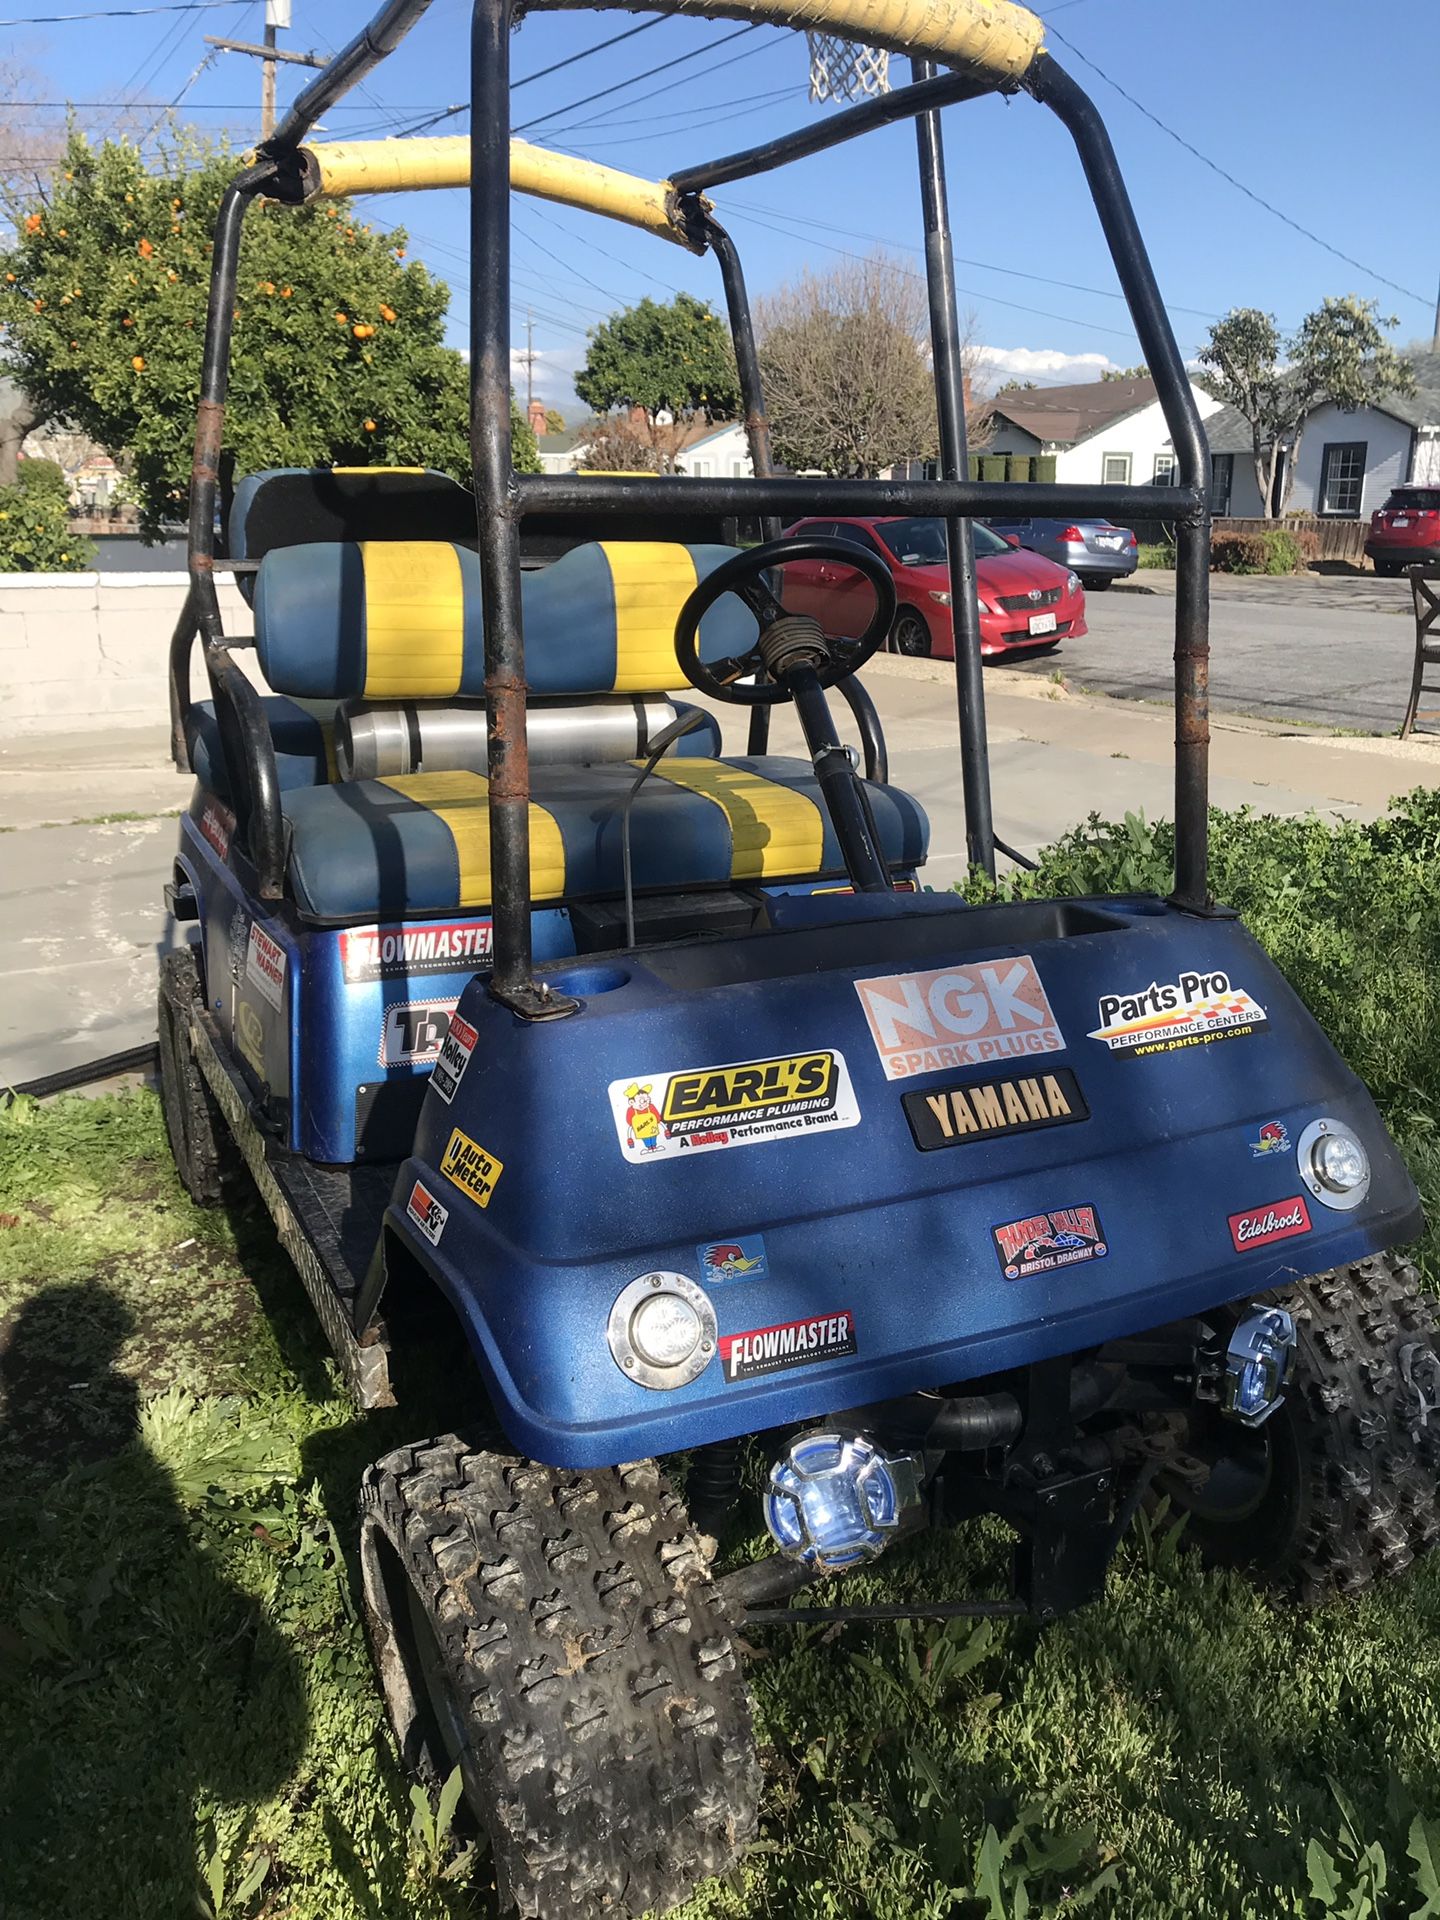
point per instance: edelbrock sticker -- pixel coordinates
(392, 953)
(1065, 1237)
(1273, 1137)
(454, 1057)
(950, 1116)
(427, 1213)
(971, 1016)
(1190, 1011)
(795, 1343)
(265, 966)
(1258, 1226)
(740, 1259)
(413, 1035)
(661, 1115)
(475, 1172)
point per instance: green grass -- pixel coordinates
(188, 1722)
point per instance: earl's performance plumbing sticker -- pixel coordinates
(265, 965)
(454, 1057)
(474, 1171)
(952, 1115)
(1188, 1012)
(427, 1213)
(1065, 1238)
(659, 1116)
(796, 1343)
(973, 1016)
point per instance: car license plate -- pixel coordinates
(1042, 623)
(1111, 540)
(1400, 522)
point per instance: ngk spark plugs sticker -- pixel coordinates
(990, 1014)
(1260, 1225)
(454, 1057)
(427, 1213)
(796, 1343)
(660, 1116)
(1047, 1241)
(475, 1172)
(392, 953)
(414, 1034)
(265, 966)
(952, 1115)
(742, 1258)
(1190, 1011)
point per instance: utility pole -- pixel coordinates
(277, 14)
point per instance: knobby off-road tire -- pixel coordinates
(556, 1634)
(205, 1155)
(1348, 1494)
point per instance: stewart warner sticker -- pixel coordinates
(427, 1213)
(392, 953)
(1190, 1011)
(797, 1343)
(1261, 1225)
(265, 966)
(454, 1058)
(412, 1035)
(1046, 1241)
(661, 1115)
(973, 1016)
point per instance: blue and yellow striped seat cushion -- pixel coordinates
(420, 843)
(304, 745)
(401, 620)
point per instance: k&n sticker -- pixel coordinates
(1192, 1010)
(475, 1172)
(795, 1343)
(990, 1014)
(265, 965)
(454, 1057)
(427, 1213)
(662, 1116)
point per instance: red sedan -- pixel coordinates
(1028, 605)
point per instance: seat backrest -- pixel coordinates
(296, 506)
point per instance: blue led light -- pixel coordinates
(835, 1499)
(1258, 1363)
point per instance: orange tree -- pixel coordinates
(339, 354)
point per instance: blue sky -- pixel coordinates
(1309, 106)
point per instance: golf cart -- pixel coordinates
(760, 1191)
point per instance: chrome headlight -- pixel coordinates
(662, 1330)
(943, 598)
(1258, 1362)
(1333, 1164)
(835, 1499)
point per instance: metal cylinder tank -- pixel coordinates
(424, 736)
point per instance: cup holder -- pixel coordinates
(585, 982)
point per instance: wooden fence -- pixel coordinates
(1340, 540)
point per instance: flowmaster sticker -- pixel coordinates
(982, 1111)
(738, 1259)
(1065, 1238)
(454, 1057)
(265, 965)
(413, 1035)
(796, 1343)
(1190, 1011)
(1273, 1137)
(973, 1016)
(661, 1115)
(391, 953)
(474, 1171)
(1260, 1225)
(427, 1213)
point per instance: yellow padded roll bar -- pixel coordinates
(341, 167)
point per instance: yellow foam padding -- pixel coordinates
(775, 830)
(652, 580)
(462, 801)
(414, 619)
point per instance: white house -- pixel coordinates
(723, 454)
(1101, 432)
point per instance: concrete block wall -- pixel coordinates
(87, 652)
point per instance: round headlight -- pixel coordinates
(1333, 1164)
(662, 1330)
(665, 1330)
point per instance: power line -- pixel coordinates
(541, 213)
(1239, 185)
(116, 13)
(585, 53)
(696, 53)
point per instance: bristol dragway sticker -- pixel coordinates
(742, 1258)
(1044, 1242)
(664, 1116)
(1190, 1011)
(428, 946)
(265, 965)
(455, 1056)
(990, 1014)
(427, 1213)
(1273, 1137)
(475, 1171)
(413, 1035)
(795, 1343)
(1282, 1220)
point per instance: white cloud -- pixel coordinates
(1040, 363)
(554, 372)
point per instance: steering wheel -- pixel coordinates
(787, 640)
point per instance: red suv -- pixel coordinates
(1406, 530)
(1027, 604)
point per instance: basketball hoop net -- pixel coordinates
(844, 70)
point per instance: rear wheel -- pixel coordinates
(910, 635)
(206, 1157)
(1387, 569)
(1095, 582)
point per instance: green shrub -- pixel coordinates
(35, 534)
(44, 479)
(1267, 550)
(992, 466)
(1158, 554)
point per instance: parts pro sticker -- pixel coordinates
(1192, 1010)
(664, 1116)
(795, 1343)
(1044, 1242)
(990, 1014)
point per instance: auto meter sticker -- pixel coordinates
(1046, 1241)
(742, 1258)
(392, 953)
(412, 1035)
(1273, 1137)
(974, 1016)
(952, 1115)
(1260, 1225)
(265, 965)
(659, 1116)
(427, 1213)
(250, 1035)
(1188, 1012)
(796, 1343)
(473, 1170)
(454, 1058)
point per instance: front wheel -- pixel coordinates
(1338, 1488)
(910, 635)
(206, 1157)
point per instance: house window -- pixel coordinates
(1164, 469)
(700, 469)
(737, 469)
(1222, 481)
(1115, 470)
(1342, 478)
